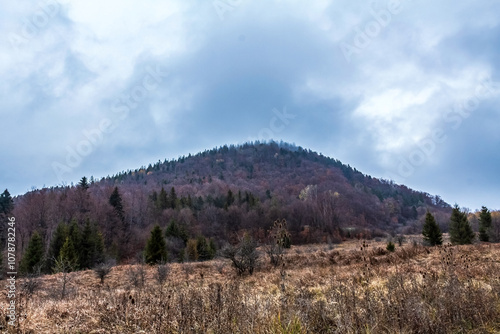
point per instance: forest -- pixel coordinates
(214, 197)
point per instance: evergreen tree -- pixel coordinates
(74, 234)
(68, 254)
(6, 207)
(98, 246)
(203, 249)
(174, 230)
(156, 250)
(162, 199)
(154, 197)
(86, 249)
(32, 260)
(83, 184)
(118, 237)
(173, 198)
(240, 200)
(229, 198)
(83, 195)
(56, 243)
(484, 224)
(6, 203)
(460, 230)
(431, 231)
(116, 202)
(92, 247)
(212, 248)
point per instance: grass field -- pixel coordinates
(355, 287)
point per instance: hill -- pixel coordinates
(220, 192)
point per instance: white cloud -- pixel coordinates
(393, 94)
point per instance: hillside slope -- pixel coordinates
(220, 192)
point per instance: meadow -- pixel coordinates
(354, 287)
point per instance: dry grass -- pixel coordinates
(348, 289)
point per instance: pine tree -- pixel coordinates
(116, 202)
(431, 231)
(174, 230)
(484, 224)
(92, 247)
(173, 198)
(6, 207)
(86, 249)
(156, 248)
(83, 195)
(212, 248)
(74, 234)
(83, 184)
(460, 230)
(56, 243)
(6, 203)
(162, 199)
(68, 254)
(32, 260)
(229, 198)
(99, 246)
(204, 249)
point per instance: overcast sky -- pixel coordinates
(402, 90)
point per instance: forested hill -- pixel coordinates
(220, 192)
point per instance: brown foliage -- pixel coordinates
(413, 290)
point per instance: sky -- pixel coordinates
(401, 90)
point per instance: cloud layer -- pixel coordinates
(406, 90)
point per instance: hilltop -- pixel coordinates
(220, 192)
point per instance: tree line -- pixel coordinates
(460, 229)
(82, 245)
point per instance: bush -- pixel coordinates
(103, 269)
(162, 272)
(391, 247)
(244, 256)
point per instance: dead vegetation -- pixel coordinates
(353, 288)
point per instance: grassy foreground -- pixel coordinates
(357, 287)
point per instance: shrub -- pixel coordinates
(244, 256)
(391, 247)
(162, 272)
(103, 269)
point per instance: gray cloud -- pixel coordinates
(227, 79)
